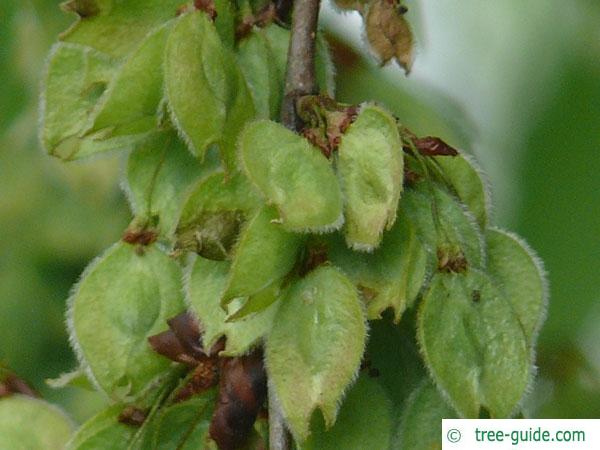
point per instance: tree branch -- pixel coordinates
(300, 78)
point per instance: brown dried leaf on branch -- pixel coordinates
(389, 33)
(242, 380)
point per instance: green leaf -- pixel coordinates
(265, 79)
(473, 344)
(184, 426)
(293, 175)
(30, 424)
(257, 302)
(520, 275)
(217, 193)
(390, 277)
(116, 27)
(212, 215)
(76, 78)
(241, 110)
(364, 421)
(225, 21)
(421, 426)
(454, 225)
(204, 286)
(160, 174)
(132, 99)
(124, 297)
(199, 80)
(371, 171)
(264, 254)
(103, 432)
(466, 178)
(315, 347)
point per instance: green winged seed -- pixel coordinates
(466, 179)
(212, 215)
(473, 344)
(117, 27)
(184, 426)
(103, 432)
(315, 347)
(160, 174)
(293, 175)
(240, 110)
(454, 224)
(258, 302)
(204, 286)
(264, 254)
(225, 21)
(259, 66)
(76, 77)
(421, 424)
(355, 428)
(520, 276)
(123, 298)
(390, 277)
(371, 171)
(132, 100)
(216, 193)
(197, 62)
(32, 424)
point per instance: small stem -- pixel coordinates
(300, 78)
(279, 437)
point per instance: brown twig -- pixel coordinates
(300, 78)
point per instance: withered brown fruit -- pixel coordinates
(389, 33)
(242, 393)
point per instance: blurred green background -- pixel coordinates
(516, 83)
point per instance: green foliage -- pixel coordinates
(133, 96)
(293, 175)
(197, 62)
(355, 428)
(390, 277)
(184, 426)
(421, 425)
(288, 245)
(76, 79)
(371, 170)
(259, 63)
(103, 432)
(264, 254)
(123, 297)
(519, 274)
(443, 222)
(466, 180)
(30, 424)
(204, 289)
(312, 361)
(473, 344)
(160, 173)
